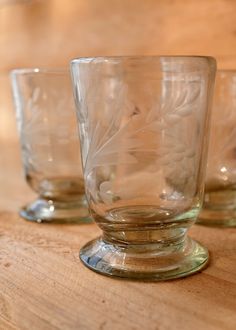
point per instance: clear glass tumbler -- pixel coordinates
(144, 134)
(219, 207)
(50, 145)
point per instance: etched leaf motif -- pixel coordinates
(222, 148)
(180, 145)
(34, 113)
(32, 131)
(131, 131)
(48, 122)
(223, 133)
(109, 140)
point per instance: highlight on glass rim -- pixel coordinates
(117, 165)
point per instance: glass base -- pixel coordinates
(157, 261)
(43, 210)
(219, 209)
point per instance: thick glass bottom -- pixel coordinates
(156, 261)
(219, 209)
(43, 210)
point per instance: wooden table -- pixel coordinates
(43, 284)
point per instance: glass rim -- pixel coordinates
(38, 70)
(135, 57)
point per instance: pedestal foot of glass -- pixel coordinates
(156, 261)
(44, 210)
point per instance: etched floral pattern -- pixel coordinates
(47, 124)
(221, 171)
(141, 141)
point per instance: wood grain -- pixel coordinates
(43, 284)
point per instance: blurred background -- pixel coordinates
(51, 32)
(47, 33)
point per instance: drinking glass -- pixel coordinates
(50, 145)
(219, 207)
(144, 132)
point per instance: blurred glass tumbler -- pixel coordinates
(219, 206)
(50, 145)
(144, 133)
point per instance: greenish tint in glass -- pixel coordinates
(219, 207)
(144, 134)
(50, 145)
